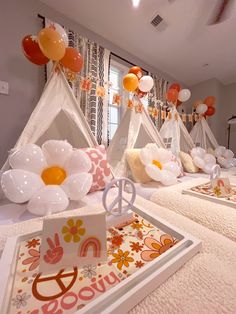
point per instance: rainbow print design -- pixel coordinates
(88, 243)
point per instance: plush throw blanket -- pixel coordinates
(217, 217)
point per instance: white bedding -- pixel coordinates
(206, 284)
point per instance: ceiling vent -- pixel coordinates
(157, 20)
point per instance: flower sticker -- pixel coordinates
(135, 246)
(89, 271)
(20, 300)
(73, 232)
(156, 248)
(122, 259)
(33, 243)
(33, 260)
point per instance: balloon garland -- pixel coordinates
(205, 107)
(51, 43)
(176, 95)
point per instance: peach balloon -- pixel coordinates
(210, 101)
(51, 44)
(130, 82)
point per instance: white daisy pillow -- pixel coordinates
(160, 164)
(48, 177)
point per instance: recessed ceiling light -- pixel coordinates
(136, 3)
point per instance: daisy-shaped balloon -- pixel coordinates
(48, 177)
(203, 160)
(225, 157)
(160, 164)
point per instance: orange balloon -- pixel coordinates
(130, 82)
(172, 95)
(175, 86)
(210, 101)
(51, 44)
(137, 71)
(72, 60)
(198, 102)
(210, 111)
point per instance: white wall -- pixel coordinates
(225, 108)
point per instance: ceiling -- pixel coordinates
(181, 46)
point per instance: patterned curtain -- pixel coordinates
(96, 71)
(157, 99)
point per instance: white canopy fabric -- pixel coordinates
(175, 135)
(57, 116)
(203, 136)
(135, 131)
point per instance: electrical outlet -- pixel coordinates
(4, 88)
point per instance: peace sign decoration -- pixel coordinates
(120, 208)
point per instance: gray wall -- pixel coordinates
(19, 18)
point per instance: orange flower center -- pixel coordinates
(157, 164)
(53, 175)
(73, 230)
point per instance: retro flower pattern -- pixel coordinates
(73, 231)
(33, 260)
(122, 259)
(157, 248)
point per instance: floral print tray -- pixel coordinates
(130, 250)
(206, 191)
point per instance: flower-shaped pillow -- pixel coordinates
(100, 168)
(225, 157)
(160, 164)
(48, 177)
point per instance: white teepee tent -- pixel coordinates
(175, 135)
(57, 116)
(202, 135)
(135, 131)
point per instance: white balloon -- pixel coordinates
(20, 185)
(57, 152)
(51, 199)
(78, 162)
(184, 95)
(168, 178)
(228, 154)
(146, 83)
(30, 157)
(219, 151)
(199, 162)
(77, 186)
(172, 167)
(58, 28)
(209, 159)
(153, 172)
(201, 109)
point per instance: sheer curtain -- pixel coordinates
(96, 68)
(158, 97)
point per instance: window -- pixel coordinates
(117, 72)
